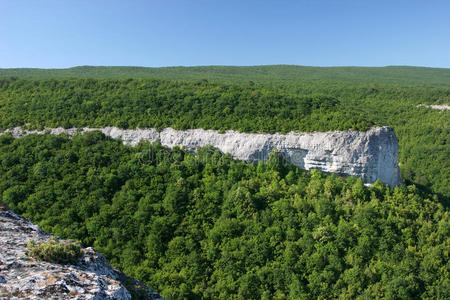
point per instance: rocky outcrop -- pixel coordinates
(23, 277)
(439, 107)
(371, 155)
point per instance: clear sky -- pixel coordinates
(65, 33)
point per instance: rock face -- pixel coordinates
(439, 107)
(24, 277)
(371, 155)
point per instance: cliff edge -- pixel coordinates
(23, 277)
(370, 155)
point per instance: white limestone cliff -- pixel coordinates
(371, 154)
(438, 107)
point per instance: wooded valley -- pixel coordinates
(203, 225)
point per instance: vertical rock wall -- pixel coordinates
(371, 154)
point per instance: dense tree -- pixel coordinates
(262, 107)
(202, 225)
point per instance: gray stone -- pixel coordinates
(22, 276)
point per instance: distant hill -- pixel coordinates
(270, 73)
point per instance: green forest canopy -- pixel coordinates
(267, 74)
(252, 107)
(206, 226)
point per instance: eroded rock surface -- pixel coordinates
(371, 154)
(23, 277)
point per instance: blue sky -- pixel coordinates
(65, 33)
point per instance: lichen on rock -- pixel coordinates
(23, 277)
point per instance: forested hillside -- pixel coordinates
(202, 225)
(423, 133)
(206, 226)
(267, 74)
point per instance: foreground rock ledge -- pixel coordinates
(23, 277)
(370, 155)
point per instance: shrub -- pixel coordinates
(62, 252)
